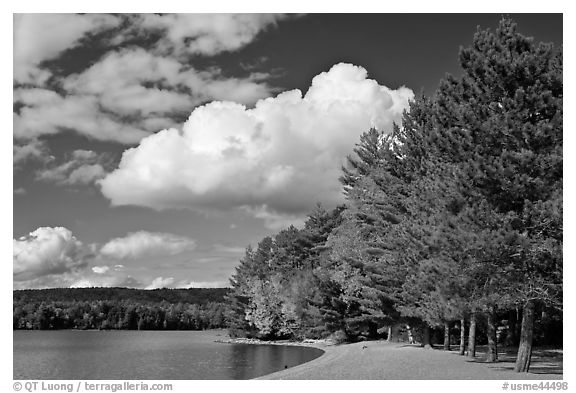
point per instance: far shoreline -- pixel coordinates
(319, 344)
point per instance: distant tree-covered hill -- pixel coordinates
(192, 295)
(120, 308)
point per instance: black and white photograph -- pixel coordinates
(298, 196)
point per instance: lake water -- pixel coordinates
(134, 355)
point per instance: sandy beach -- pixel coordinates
(398, 361)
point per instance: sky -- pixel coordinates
(151, 150)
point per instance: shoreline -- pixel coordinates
(319, 344)
(381, 360)
(322, 345)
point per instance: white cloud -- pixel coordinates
(86, 174)
(33, 150)
(228, 249)
(46, 112)
(104, 281)
(63, 280)
(274, 161)
(84, 167)
(242, 90)
(148, 89)
(135, 82)
(55, 258)
(41, 37)
(100, 269)
(206, 34)
(128, 93)
(20, 191)
(82, 279)
(47, 251)
(118, 77)
(170, 282)
(146, 244)
(275, 220)
(160, 282)
(203, 284)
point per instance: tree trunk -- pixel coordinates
(472, 336)
(519, 324)
(492, 352)
(446, 335)
(372, 331)
(462, 336)
(389, 338)
(511, 336)
(426, 337)
(410, 334)
(526, 334)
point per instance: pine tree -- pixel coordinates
(267, 299)
(496, 134)
(503, 120)
(367, 155)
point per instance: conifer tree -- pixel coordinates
(498, 131)
(367, 155)
(502, 121)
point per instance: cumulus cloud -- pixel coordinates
(273, 161)
(41, 37)
(83, 167)
(55, 258)
(47, 251)
(146, 244)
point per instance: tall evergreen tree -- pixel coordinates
(502, 120)
(498, 132)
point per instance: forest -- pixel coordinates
(452, 228)
(120, 308)
(170, 295)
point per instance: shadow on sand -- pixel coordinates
(544, 361)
